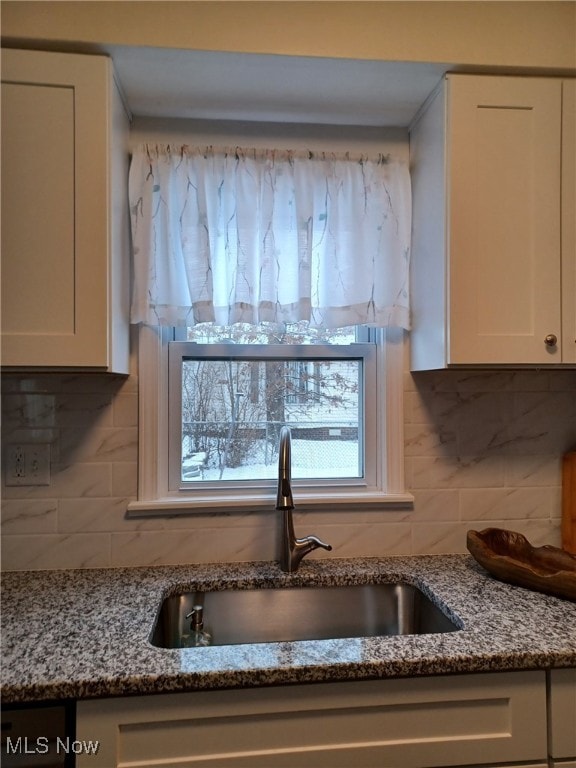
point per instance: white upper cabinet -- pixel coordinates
(569, 220)
(493, 276)
(65, 257)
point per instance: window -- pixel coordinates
(228, 403)
(343, 402)
(268, 238)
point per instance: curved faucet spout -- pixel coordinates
(284, 499)
(292, 549)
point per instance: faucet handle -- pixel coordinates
(312, 542)
(321, 544)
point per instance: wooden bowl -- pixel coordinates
(510, 557)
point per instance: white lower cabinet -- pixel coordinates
(562, 718)
(468, 720)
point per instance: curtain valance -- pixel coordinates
(230, 235)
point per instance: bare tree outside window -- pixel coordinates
(233, 409)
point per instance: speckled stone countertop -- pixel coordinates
(85, 634)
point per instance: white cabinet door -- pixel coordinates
(569, 221)
(561, 764)
(562, 714)
(487, 719)
(493, 272)
(504, 232)
(64, 223)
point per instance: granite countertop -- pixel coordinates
(85, 633)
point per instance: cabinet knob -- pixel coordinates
(551, 340)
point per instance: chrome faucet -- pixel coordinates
(292, 549)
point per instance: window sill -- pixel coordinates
(171, 505)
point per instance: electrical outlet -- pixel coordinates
(27, 464)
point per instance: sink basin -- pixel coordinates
(234, 616)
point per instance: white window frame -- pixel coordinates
(366, 353)
(387, 441)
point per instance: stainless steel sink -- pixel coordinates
(236, 616)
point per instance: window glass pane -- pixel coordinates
(267, 333)
(233, 409)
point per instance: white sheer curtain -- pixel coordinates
(245, 235)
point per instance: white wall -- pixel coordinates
(533, 34)
(331, 138)
(482, 449)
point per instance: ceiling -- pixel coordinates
(215, 85)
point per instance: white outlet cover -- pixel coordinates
(27, 464)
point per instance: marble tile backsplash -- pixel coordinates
(482, 448)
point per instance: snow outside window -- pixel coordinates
(210, 415)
